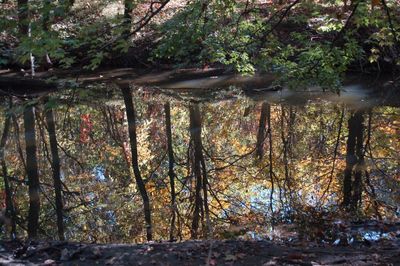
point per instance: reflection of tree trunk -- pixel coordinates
(335, 153)
(198, 167)
(195, 135)
(354, 157)
(17, 137)
(7, 187)
(287, 130)
(205, 198)
(130, 113)
(113, 117)
(359, 168)
(171, 173)
(55, 165)
(32, 171)
(271, 169)
(367, 176)
(290, 142)
(261, 131)
(285, 153)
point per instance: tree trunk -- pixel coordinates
(55, 165)
(67, 4)
(261, 131)
(10, 215)
(32, 172)
(46, 15)
(130, 113)
(23, 23)
(171, 173)
(46, 61)
(128, 8)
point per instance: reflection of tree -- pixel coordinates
(10, 213)
(55, 166)
(208, 170)
(287, 138)
(171, 172)
(200, 174)
(370, 189)
(32, 171)
(131, 116)
(352, 183)
(270, 157)
(113, 122)
(335, 154)
(381, 152)
(261, 134)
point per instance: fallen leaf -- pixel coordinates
(65, 254)
(49, 262)
(240, 255)
(295, 256)
(230, 257)
(270, 263)
(111, 261)
(212, 262)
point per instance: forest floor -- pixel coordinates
(211, 252)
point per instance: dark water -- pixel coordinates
(267, 160)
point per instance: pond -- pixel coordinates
(242, 163)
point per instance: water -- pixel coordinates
(269, 158)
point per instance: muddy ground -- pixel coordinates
(211, 252)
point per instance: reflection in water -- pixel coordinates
(150, 167)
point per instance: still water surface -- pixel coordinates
(267, 159)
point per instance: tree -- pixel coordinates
(128, 8)
(23, 16)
